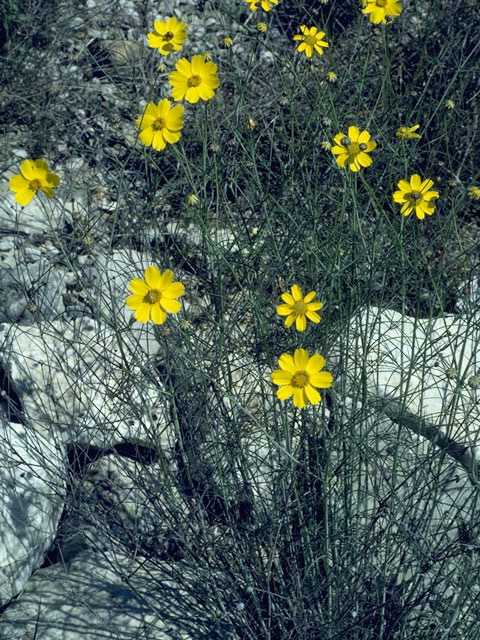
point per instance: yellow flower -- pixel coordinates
(262, 27)
(474, 193)
(251, 124)
(192, 199)
(326, 145)
(155, 296)
(379, 10)
(35, 176)
(353, 149)
(299, 376)
(331, 76)
(416, 196)
(194, 80)
(160, 124)
(449, 104)
(265, 4)
(404, 133)
(311, 39)
(298, 309)
(227, 42)
(167, 36)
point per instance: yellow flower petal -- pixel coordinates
(322, 379)
(192, 95)
(172, 306)
(281, 377)
(24, 196)
(28, 169)
(284, 310)
(290, 320)
(296, 292)
(312, 394)
(314, 317)
(18, 183)
(152, 277)
(353, 133)
(315, 363)
(142, 314)
(298, 398)
(416, 182)
(166, 279)
(285, 392)
(300, 359)
(286, 297)
(138, 286)
(134, 301)
(158, 141)
(286, 362)
(157, 314)
(300, 323)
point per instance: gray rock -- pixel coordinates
(72, 381)
(32, 285)
(427, 365)
(32, 489)
(40, 215)
(108, 596)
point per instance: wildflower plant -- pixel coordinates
(194, 80)
(311, 39)
(474, 192)
(167, 36)
(416, 195)
(298, 309)
(34, 176)
(380, 10)
(155, 296)
(262, 485)
(160, 124)
(300, 376)
(266, 5)
(406, 133)
(352, 150)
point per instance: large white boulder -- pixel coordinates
(107, 595)
(79, 380)
(32, 490)
(429, 368)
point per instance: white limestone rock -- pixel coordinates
(32, 489)
(430, 366)
(101, 595)
(79, 380)
(39, 216)
(130, 501)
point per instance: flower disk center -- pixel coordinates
(300, 307)
(168, 36)
(354, 149)
(194, 81)
(311, 40)
(300, 379)
(152, 297)
(159, 124)
(35, 184)
(413, 196)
